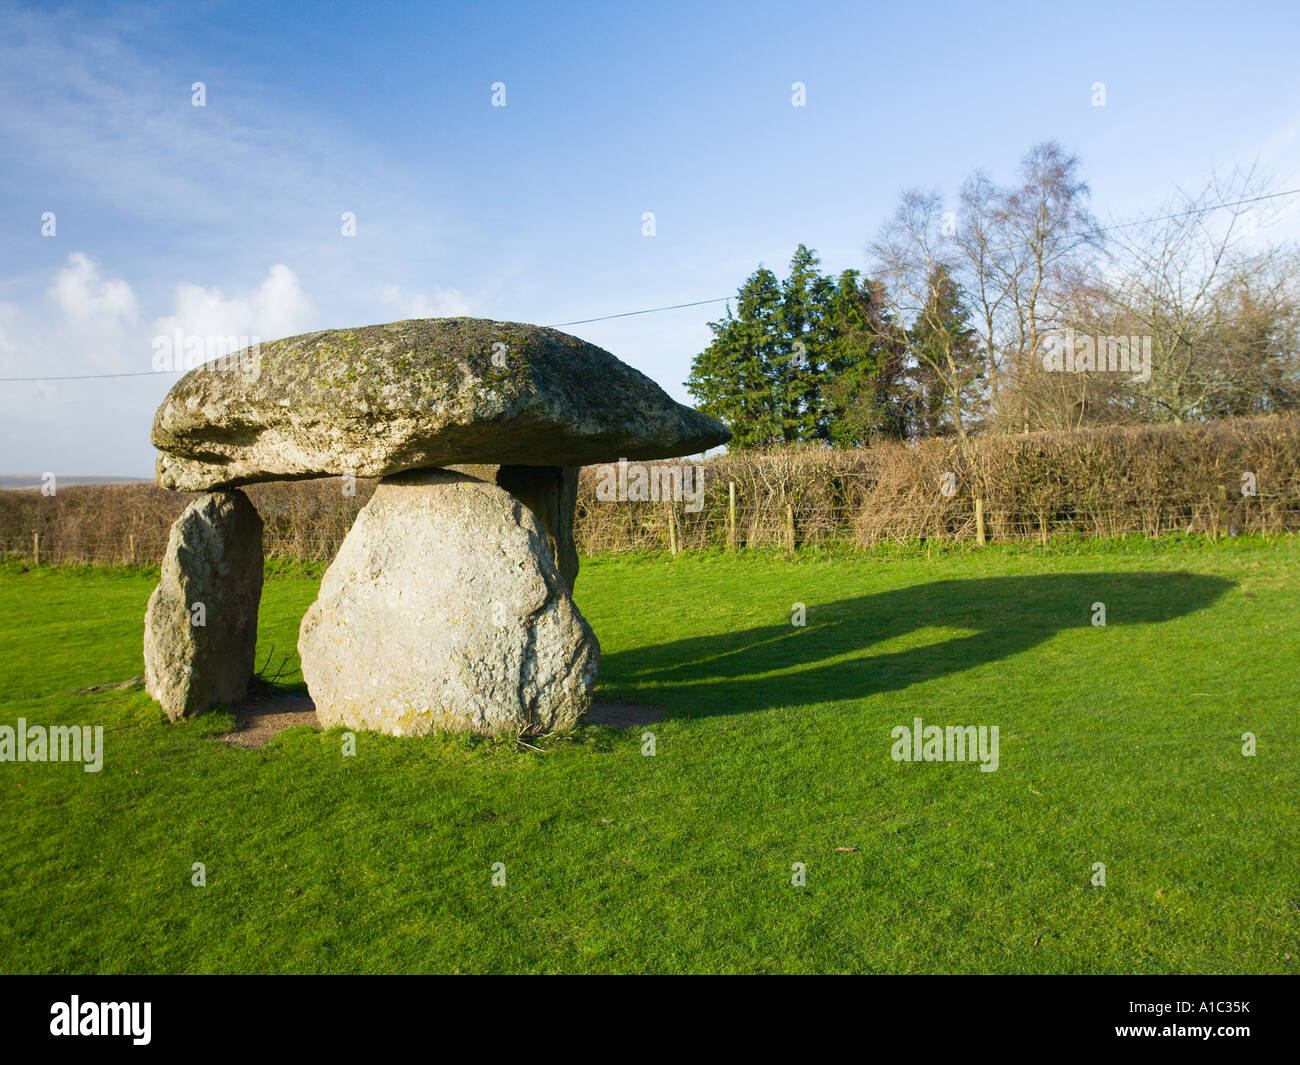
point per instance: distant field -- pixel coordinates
(35, 480)
(1119, 744)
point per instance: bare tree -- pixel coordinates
(1047, 240)
(983, 266)
(1220, 309)
(1215, 313)
(914, 260)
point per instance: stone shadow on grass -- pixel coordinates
(778, 664)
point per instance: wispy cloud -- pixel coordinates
(217, 220)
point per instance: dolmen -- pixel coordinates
(450, 604)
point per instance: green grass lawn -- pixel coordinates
(1119, 744)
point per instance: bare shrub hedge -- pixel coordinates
(1144, 480)
(1099, 482)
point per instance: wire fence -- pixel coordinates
(613, 528)
(670, 528)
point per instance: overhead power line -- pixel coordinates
(580, 321)
(94, 376)
(648, 310)
(1200, 210)
(702, 303)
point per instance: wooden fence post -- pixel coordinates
(789, 527)
(979, 522)
(731, 515)
(131, 538)
(672, 528)
(36, 549)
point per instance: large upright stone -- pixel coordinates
(445, 610)
(200, 629)
(425, 393)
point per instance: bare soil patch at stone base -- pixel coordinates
(264, 716)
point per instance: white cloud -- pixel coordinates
(444, 303)
(278, 308)
(82, 294)
(89, 324)
(9, 317)
(93, 324)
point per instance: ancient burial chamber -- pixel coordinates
(450, 603)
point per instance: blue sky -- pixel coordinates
(226, 218)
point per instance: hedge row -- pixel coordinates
(1220, 478)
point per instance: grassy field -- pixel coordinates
(1119, 744)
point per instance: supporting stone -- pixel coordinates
(445, 610)
(551, 493)
(200, 629)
